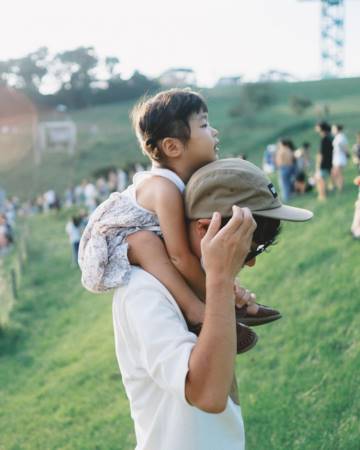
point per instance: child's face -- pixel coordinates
(202, 145)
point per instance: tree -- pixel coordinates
(75, 68)
(254, 97)
(25, 73)
(75, 78)
(111, 63)
(299, 104)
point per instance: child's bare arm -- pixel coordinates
(169, 207)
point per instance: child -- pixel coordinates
(174, 132)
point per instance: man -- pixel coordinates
(179, 385)
(324, 158)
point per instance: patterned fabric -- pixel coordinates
(103, 248)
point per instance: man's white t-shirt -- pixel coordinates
(153, 347)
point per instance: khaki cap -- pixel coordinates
(226, 182)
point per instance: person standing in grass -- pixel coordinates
(285, 163)
(340, 155)
(182, 388)
(73, 230)
(324, 159)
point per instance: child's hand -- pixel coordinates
(243, 296)
(357, 181)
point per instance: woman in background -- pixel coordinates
(285, 163)
(340, 155)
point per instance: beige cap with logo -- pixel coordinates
(226, 182)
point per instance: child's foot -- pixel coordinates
(256, 314)
(246, 338)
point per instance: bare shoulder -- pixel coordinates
(165, 187)
(157, 189)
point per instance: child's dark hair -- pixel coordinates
(165, 115)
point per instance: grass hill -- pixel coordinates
(299, 387)
(60, 386)
(114, 143)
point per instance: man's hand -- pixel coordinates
(224, 250)
(211, 364)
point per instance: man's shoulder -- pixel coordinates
(139, 280)
(144, 290)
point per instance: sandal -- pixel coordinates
(264, 315)
(246, 338)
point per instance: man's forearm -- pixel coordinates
(211, 365)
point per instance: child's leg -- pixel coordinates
(147, 250)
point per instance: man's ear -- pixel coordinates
(172, 147)
(202, 226)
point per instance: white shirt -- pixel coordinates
(340, 144)
(159, 171)
(153, 347)
(50, 197)
(73, 232)
(90, 191)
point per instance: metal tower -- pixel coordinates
(332, 37)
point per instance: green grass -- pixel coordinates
(115, 143)
(303, 385)
(60, 386)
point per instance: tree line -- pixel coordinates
(76, 78)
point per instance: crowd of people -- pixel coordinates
(298, 173)
(293, 165)
(84, 197)
(87, 196)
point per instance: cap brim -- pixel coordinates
(285, 212)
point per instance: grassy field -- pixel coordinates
(60, 386)
(115, 144)
(299, 387)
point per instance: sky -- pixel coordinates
(215, 37)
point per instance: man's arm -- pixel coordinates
(211, 364)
